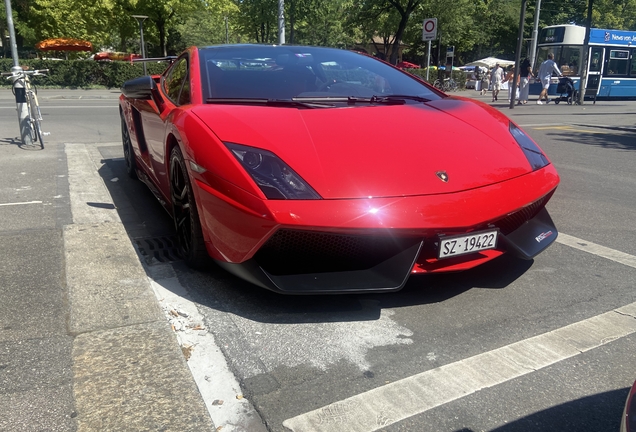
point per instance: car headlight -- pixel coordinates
(275, 178)
(533, 153)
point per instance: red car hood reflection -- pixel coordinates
(379, 151)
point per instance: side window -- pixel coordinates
(175, 79)
(618, 62)
(632, 69)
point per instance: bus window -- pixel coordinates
(632, 70)
(568, 62)
(618, 62)
(595, 59)
(542, 55)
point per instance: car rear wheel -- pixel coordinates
(185, 214)
(129, 155)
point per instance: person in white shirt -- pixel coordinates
(496, 77)
(545, 75)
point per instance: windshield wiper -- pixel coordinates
(398, 97)
(381, 100)
(271, 102)
(352, 100)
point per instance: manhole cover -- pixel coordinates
(158, 249)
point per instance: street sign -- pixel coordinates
(429, 29)
(450, 51)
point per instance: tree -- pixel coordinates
(164, 13)
(387, 19)
(206, 26)
(257, 20)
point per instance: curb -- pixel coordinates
(129, 372)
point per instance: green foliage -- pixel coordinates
(476, 28)
(83, 73)
(205, 28)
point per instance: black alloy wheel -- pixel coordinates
(129, 156)
(185, 214)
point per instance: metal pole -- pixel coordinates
(18, 83)
(14, 46)
(140, 19)
(428, 59)
(586, 54)
(227, 32)
(522, 20)
(281, 22)
(535, 34)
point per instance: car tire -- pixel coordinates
(185, 214)
(129, 155)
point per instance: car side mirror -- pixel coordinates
(143, 88)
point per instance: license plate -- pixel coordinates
(465, 244)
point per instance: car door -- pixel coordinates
(175, 86)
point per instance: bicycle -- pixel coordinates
(30, 127)
(450, 85)
(446, 86)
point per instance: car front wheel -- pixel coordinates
(129, 155)
(185, 214)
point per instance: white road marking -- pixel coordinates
(21, 203)
(595, 249)
(218, 386)
(46, 107)
(414, 395)
(391, 403)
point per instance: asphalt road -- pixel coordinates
(357, 362)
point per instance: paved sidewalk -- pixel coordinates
(84, 345)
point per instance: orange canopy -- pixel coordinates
(64, 44)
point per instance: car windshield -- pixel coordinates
(261, 72)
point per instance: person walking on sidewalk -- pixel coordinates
(545, 75)
(496, 78)
(485, 82)
(510, 75)
(525, 72)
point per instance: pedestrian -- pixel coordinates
(525, 72)
(496, 78)
(485, 82)
(510, 75)
(545, 75)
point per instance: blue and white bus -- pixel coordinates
(612, 59)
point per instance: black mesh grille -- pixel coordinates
(518, 218)
(298, 252)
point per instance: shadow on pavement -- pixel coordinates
(600, 412)
(144, 217)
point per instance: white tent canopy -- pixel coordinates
(490, 62)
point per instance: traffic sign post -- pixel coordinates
(429, 29)
(450, 52)
(429, 33)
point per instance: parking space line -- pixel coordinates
(414, 395)
(394, 402)
(21, 203)
(570, 129)
(598, 250)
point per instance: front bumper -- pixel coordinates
(383, 267)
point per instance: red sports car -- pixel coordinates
(290, 167)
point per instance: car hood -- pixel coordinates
(443, 146)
